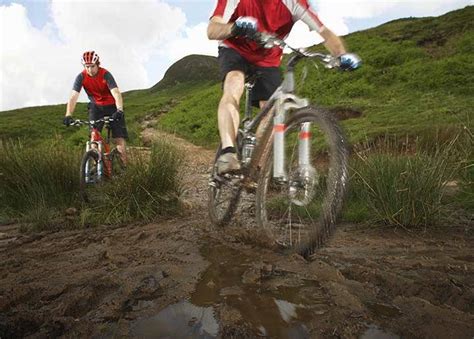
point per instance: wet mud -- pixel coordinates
(182, 278)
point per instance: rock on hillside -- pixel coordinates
(192, 68)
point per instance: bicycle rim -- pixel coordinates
(89, 174)
(301, 212)
(223, 198)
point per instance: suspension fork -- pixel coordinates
(284, 104)
(304, 146)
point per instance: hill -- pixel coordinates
(417, 77)
(192, 68)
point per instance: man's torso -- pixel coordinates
(274, 16)
(97, 87)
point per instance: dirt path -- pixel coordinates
(182, 278)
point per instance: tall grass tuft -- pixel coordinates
(150, 187)
(38, 184)
(404, 188)
(43, 176)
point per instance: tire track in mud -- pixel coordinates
(129, 281)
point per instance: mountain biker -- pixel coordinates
(105, 99)
(234, 20)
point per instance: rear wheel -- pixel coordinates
(223, 196)
(301, 211)
(89, 175)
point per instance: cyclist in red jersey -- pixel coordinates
(105, 99)
(231, 22)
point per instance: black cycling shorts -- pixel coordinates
(268, 78)
(119, 129)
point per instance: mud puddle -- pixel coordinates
(234, 292)
(180, 320)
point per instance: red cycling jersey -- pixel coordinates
(273, 16)
(97, 87)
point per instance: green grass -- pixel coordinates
(42, 176)
(150, 187)
(40, 184)
(404, 184)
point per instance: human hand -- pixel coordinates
(68, 120)
(117, 116)
(349, 61)
(245, 26)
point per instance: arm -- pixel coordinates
(71, 103)
(118, 98)
(114, 90)
(218, 29)
(333, 43)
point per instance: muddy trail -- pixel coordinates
(182, 278)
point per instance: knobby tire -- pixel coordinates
(93, 158)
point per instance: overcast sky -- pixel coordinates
(42, 41)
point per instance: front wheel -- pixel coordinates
(301, 210)
(89, 174)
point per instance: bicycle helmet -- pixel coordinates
(90, 57)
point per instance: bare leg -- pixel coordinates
(228, 110)
(120, 142)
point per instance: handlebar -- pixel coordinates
(269, 41)
(79, 122)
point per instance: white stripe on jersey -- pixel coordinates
(300, 13)
(230, 7)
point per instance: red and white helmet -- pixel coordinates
(90, 57)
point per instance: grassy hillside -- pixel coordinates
(417, 77)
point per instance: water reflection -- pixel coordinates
(233, 279)
(181, 320)
(374, 332)
(287, 309)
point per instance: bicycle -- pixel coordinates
(98, 161)
(298, 192)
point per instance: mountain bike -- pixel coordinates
(297, 167)
(99, 161)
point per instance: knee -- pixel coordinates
(233, 88)
(229, 99)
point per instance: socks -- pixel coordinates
(228, 150)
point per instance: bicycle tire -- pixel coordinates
(90, 157)
(313, 223)
(223, 197)
(118, 167)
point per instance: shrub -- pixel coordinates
(150, 187)
(38, 184)
(403, 188)
(42, 176)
